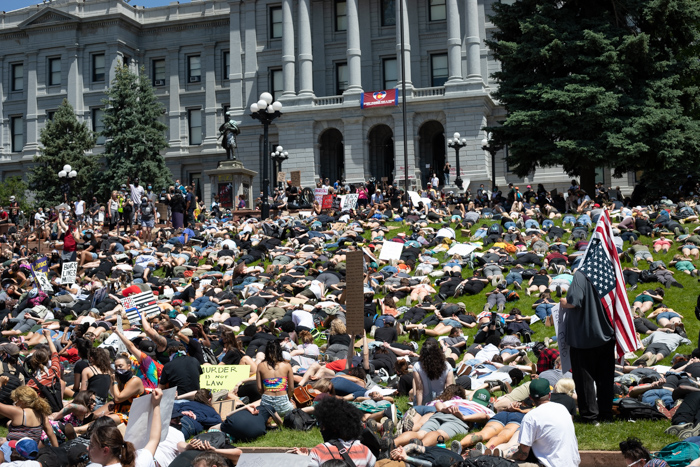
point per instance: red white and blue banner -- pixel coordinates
(379, 98)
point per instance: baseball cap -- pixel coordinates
(25, 447)
(482, 396)
(529, 186)
(148, 347)
(539, 388)
(186, 332)
(10, 349)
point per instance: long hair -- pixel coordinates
(230, 340)
(203, 396)
(31, 400)
(632, 448)
(100, 358)
(110, 437)
(432, 359)
(273, 353)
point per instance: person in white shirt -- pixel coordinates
(435, 181)
(547, 434)
(79, 209)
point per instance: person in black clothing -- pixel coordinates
(182, 371)
(387, 333)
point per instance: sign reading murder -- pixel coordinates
(217, 377)
(281, 177)
(379, 98)
(354, 292)
(296, 178)
(68, 273)
(327, 202)
(319, 193)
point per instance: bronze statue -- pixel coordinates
(229, 131)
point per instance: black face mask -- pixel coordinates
(123, 375)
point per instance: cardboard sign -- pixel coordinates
(354, 293)
(141, 415)
(296, 178)
(390, 250)
(327, 202)
(69, 272)
(43, 282)
(350, 202)
(217, 377)
(319, 193)
(281, 177)
(385, 179)
(225, 407)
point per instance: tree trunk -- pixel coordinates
(587, 181)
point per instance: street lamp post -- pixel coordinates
(486, 146)
(265, 111)
(67, 174)
(279, 156)
(457, 143)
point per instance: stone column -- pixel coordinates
(4, 121)
(209, 120)
(288, 59)
(235, 77)
(306, 63)
(31, 117)
(473, 40)
(251, 56)
(354, 51)
(112, 61)
(406, 41)
(454, 43)
(74, 89)
(174, 80)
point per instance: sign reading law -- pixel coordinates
(217, 377)
(379, 98)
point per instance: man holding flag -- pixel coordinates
(598, 320)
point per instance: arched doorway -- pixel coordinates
(381, 153)
(432, 150)
(332, 155)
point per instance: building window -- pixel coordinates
(276, 22)
(159, 72)
(438, 11)
(341, 78)
(98, 125)
(438, 69)
(98, 68)
(195, 122)
(341, 15)
(390, 73)
(225, 110)
(17, 129)
(194, 69)
(276, 83)
(50, 115)
(18, 77)
(227, 65)
(388, 12)
(54, 71)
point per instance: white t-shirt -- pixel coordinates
(167, 449)
(446, 232)
(144, 458)
(303, 318)
(79, 208)
(549, 431)
(136, 192)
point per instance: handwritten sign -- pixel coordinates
(296, 178)
(69, 272)
(319, 193)
(43, 282)
(390, 250)
(41, 265)
(217, 377)
(327, 202)
(281, 176)
(355, 304)
(349, 202)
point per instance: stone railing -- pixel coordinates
(419, 93)
(330, 100)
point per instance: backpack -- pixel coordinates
(297, 419)
(209, 356)
(13, 383)
(633, 409)
(679, 454)
(648, 276)
(51, 393)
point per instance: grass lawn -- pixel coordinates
(603, 437)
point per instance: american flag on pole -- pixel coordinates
(601, 264)
(138, 305)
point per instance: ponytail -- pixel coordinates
(110, 436)
(128, 454)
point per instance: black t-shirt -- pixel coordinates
(449, 309)
(385, 334)
(386, 361)
(343, 339)
(232, 357)
(80, 365)
(565, 400)
(182, 372)
(194, 348)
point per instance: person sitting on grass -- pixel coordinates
(636, 455)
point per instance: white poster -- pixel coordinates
(559, 318)
(69, 272)
(390, 250)
(349, 202)
(141, 414)
(44, 282)
(319, 193)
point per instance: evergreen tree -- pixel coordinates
(64, 140)
(595, 83)
(135, 136)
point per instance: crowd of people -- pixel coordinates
(271, 295)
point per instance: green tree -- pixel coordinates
(15, 186)
(598, 83)
(135, 136)
(64, 140)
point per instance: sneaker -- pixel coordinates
(559, 291)
(497, 452)
(675, 429)
(394, 415)
(661, 407)
(517, 285)
(672, 411)
(456, 446)
(688, 432)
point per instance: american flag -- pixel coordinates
(601, 264)
(139, 305)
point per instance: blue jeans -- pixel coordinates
(190, 427)
(650, 397)
(532, 224)
(206, 310)
(569, 219)
(514, 277)
(547, 224)
(544, 310)
(343, 387)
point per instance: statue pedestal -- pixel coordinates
(230, 180)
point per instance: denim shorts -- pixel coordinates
(667, 315)
(279, 404)
(452, 322)
(506, 418)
